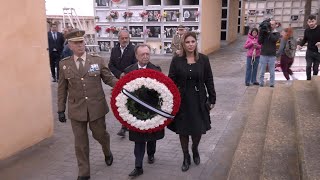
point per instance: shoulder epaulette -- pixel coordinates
(65, 58)
(95, 55)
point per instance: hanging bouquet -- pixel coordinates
(197, 13)
(159, 16)
(145, 101)
(113, 29)
(108, 30)
(164, 14)
(143, 14)
(127, 14)
(114, 14)
(147, 32)
(177, 13)
(108, 18)
(97, 28)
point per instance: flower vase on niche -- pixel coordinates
(98, 34)
(141, 36)
(159, 35)
(197, 19)
(159, 20)
(130, 35)
(164, 19)
(177, 19)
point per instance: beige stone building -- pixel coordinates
(87, 22)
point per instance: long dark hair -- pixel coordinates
(182, 44)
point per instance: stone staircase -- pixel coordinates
(281, 138)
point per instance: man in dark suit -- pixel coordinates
(142, 52)
(121, 57)
(56, 41)
(80, 85)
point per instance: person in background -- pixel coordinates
(121, 57)
(176, 41)
(253, 56)
(312, 37)
(191, 72)
(268, 37)
(55, 40)
(66, 50)
(286, 52)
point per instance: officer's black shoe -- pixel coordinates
(136, 172)
(122, 132)
(83, 177)
(54, 80)
(151, 159)
(109, 159)
(186, 162)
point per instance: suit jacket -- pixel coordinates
(178, 73)
(55, 44)
(119, 62)
(175, 45)
(144, 137)
(84, 91)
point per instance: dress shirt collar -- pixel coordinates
(143, 67)
(84, 56)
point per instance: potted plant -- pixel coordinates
(127, 15)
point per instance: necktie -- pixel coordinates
(81, 68)
(54, 36)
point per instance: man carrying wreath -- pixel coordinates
(142, 53)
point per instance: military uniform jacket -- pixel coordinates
(175, 44)
(84, 91)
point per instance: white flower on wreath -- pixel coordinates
(166, 106)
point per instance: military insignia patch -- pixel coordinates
(64, 67)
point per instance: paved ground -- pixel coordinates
(54, 158)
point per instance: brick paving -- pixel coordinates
(54, 158)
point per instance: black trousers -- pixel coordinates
(313, 60)
(139, 150)
(54, 62)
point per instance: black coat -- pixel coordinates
(178, 73)
(118, 63)
(144, 137)
(57, 44)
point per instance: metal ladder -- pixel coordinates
(70, 14)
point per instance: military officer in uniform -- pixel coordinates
(176, 47)
(80, 85)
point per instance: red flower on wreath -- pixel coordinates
(152, 74)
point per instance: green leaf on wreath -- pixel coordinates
(150, 97)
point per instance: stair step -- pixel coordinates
(280, 155)
(247, 158)
(307, 110)
(316, 84)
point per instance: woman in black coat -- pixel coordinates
(191, 72)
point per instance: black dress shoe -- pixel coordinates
(151, 159)
(186, 162)
(122, 132)
(136, 172)
(83, 177)
(196, 156)
(109, 159)
(54, 80)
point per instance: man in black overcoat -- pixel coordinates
(142, 52)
